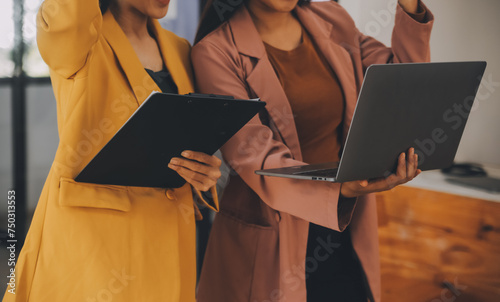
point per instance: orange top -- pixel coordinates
(314, 93)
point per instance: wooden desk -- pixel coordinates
(438, 247)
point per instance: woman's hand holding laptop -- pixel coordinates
(407, 170)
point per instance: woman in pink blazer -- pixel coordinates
(261, 247)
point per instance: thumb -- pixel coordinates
(363, 183)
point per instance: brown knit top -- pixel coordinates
(314, 93)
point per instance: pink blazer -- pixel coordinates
(257, 245)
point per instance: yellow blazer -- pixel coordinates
(92, 242)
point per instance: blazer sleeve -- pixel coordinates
(254, 148)
(66, 33)
(410, 41)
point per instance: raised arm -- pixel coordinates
(254, 148)
(66, 32)
(410, 38)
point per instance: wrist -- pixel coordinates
(410, 6)
(345, 192)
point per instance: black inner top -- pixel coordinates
(164, 80)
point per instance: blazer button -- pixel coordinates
(170, 194)
(278, 216)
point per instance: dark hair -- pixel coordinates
(217, 12)
(104, 4)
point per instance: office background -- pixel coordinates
(464, 30)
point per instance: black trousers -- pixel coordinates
(333, 271)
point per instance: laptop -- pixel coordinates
(420, 105)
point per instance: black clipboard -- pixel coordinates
(161, 128)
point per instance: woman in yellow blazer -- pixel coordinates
(92, 242)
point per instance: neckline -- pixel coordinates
(299, 47)
(152, 71)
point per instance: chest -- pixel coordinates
(149, 53)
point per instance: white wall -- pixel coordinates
(463, 30)
(182, 18)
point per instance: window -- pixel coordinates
(6, 38)
(34, 66)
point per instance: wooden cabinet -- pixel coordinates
(438, 247)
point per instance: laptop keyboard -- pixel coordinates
(324, 172)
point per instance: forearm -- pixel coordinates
(66, 31)
(410, 38)
(253, 148)
(410, 41)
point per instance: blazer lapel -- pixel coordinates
(339, 59)
(262, 78)
(173, 59)
(263, 81)
(139, 80)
